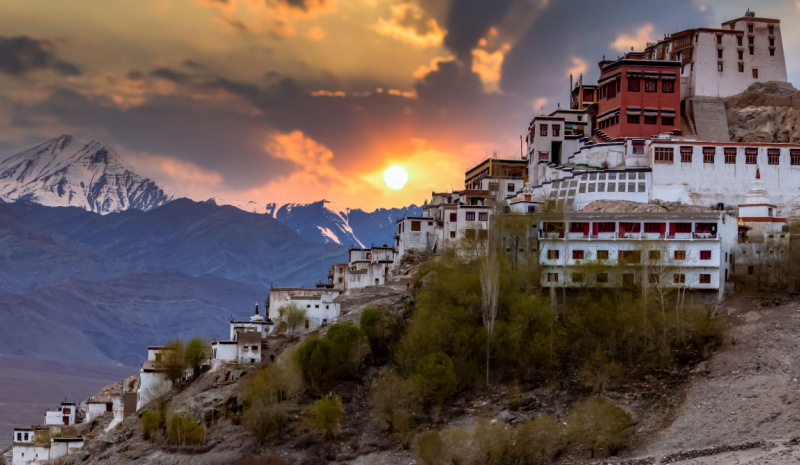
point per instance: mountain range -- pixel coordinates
(98, 262)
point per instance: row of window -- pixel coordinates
(628, 278)
(721, 67)
(629, 256)
(635, 119)
(651, 85)
(556, 130)
(667, 155)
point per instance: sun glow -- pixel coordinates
(395, 177)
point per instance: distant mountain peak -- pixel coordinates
(64, 172)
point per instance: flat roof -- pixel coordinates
(559, 217)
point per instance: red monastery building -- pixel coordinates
(638, 97)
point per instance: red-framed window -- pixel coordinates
(795, 156)
(552, 254)
(577, 254)
(552, 277)
(730, 155)
(751, 156)
(483, 216)
(654, 228)
(606, 227)
(602, 254)
(679, 278)
(633, 84)
(651, 85)
(705, 278)
(470, 216)
(556, 130)
(686, 154)
(453, 217)
(773, 156)
(682, 228)
(664, 155)
(543, 130)
(679, 255)
(668, 86)
(708, 154)
(705, 255)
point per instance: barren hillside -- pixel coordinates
(765, 112)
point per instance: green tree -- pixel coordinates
(373, 324)
(182, 430)
(324, 415)
(174, 360)
(151, 422)
(430, 449)
(539, 440)
(435, 377)
(290, 317)
(196, 354)
(393, 401)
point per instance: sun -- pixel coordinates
(395, 177)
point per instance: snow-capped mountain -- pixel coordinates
(65, 172)
(326, 222)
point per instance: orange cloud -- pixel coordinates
(316, 33)
(488, 67)
(579, 66)
(328, 93)
(400, 93)
(410, 24)
(423, 70)
(637, 40)
(277, 17)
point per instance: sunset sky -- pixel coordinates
(300, 100)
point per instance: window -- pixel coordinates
(542, 129)
(750, 40)
(606, 227)
(772, 52)
(683, 228)
(654, 255)
(602, 254)
(794, 155)
(650, 85)
(611, 91)
(556, 130)
(719, 66)
(653, 228)
(750, 269)
(483, 216)
(469, 233)
(750, 156)
(719, 39)
(771, 42)
(552, 277)
(667, 121)
(739, 41)
(602, 277)
(755, 73)
(452, 234)
(627, 280)
(630, 256)
(668, 86)
(577, 254)
(577, 277)
(483, 234)
(633, 119)
(633, 85)
(705, 255)
(552, 254)
(708, 154)
(415, 225)
(651, 120)
(511, 187)
(730, 155)
(470, 216)
(453, 217)
(771, 30)
(680, 255)
(741, 67)
(719, 52)
(752, 51)
(679, 278)
(741, 55)
(663, 154)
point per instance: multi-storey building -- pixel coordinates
(365, 267)
(688, 250)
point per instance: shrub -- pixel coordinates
(430, 449)
(196, 354)
(597, 423)
(290, 317)
(539, 440)
(324, 415)
(493, 443)
(435, 377)
(393, 400)
(339, 354)
(314, 359)
(182, 430)
(150, 423)
(373, 324)
(267, 395)
(598, 371)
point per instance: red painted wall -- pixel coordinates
(641, 99)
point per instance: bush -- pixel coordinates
(597, 372)
(435, 377)
(196, 354)
(340, 353)
(493, 443)
(324, 415)
(430, 449)
(393, 401)
(182, 430)
(268, 393)
(290, 317)
(597, 423)
(150, 424)
(373, 324)
(539, 440)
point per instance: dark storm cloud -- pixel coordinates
(305, 5)
(20, 55)
(468, 20)
(170, 75)
(191, 64)
(135, 75)
(241, 89)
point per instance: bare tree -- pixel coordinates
(490, 287)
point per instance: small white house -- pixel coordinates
(319, 303)
(153, 382)
(27, 451)
(65, 415)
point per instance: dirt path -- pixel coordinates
(748, 391)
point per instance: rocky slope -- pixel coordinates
(765, 112)
(66, 172)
